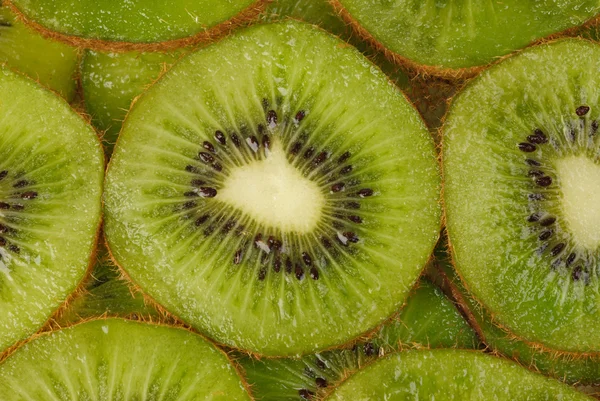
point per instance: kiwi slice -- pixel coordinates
(523, 138)
(454, 38)
(51, 63)
(116, 359)
(118, 26)
(428, 319)
(450, 375)
(282, 212)
(51, 172)
(111, 81)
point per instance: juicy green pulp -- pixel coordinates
(61, 157)
(428, 319)
(111, 81)
(450, 375)
(116, 359)
(463, 33)
(51, 63)
(197, 280)
(131, 21)
(487, 187)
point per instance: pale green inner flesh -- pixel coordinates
(465, 33)
(580, 187)
(450, 375)
(119, 360)
(281, 198)
(52, 167)
(131, 21)
(526, 248)
(53, 64)
(203, 259)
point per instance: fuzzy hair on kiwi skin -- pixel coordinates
(438, 71)
(223, 29)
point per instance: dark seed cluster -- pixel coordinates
(553, 241)
(278, 252)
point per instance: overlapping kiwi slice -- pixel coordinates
(51, 63)
(428, 319)
(521, 170)
(275, 191)
(450, 375)
(51, 172)
(136, 25)
(454, 38)
(116, 359)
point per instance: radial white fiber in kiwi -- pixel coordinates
(447, 35)
(521, 170)
(116, 359)
(97, 23)
(51, 172)
(275, 191)
(450, 375)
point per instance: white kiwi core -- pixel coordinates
(580, 185)
(274, 193)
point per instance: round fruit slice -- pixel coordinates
(51, 172)
(53, 64)
(116, 359)
(523, 138)
(136, 25)
(275, 191)
(450, 375)
(441, 37)
(428, 319)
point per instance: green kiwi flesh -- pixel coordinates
(135, 22)
(428, 319)
(111, 81)
(114, 359)
(51, 173)
(520, 159)
(451, 34)
(345, 216)
(450, 375)
(53, 64)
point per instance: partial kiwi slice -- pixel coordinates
(116, 359)
(428, 319)
(111, 81)
(523, 138)
(284, 211)
(454, 38)
(450, 375)
(51, 63)
(117, 26)
(51, 172)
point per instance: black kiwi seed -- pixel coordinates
(217, 166)
(299, 272)
(305, 394)
(198, 183)
(351, 237)
(300, 115)
(535, 173)
(253, 143)
(544, 181)
(582, 110)
(307, 259)
(236, 140)
(535, 196)
(547, 221)
(207, 192)
(14, 248)
(355, 219)
(266, 142)
(346, 170)
(314, 273)
(326, 243)
(532, 162)
(2, 241)
(344, 157)
(208, 146)
(538, 137)
(527, 147)
(571, 258)
(337, 187)
(320, 363)
(201, 220)
(533, 218)
(352, 205)
(21, 184)
(189, 168)
(369, 349)
(272, 118)
(321, 157)
(288, 265)
(206, 157)
(557, 249)
(363, 193)
(5, 23)
(594, 127)
(296, 148)
(309, 152)
(262, 274)
(189, 205)
(545, 235)
(237, 258)
(4, 205)
(18, 207)
(3, 174)
(220, 137)
(579, 274)
(277, 264)
(321, 382)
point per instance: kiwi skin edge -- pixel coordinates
(438, 71)
(220, 30)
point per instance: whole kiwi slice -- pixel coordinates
(450, 375)
(51, 173)
(51, 63)
(284, 211)
(115, 359)
(522, 138)
(428, 320)
(136, 25)
(456, 38)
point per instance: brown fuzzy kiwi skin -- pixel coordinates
(452, 74)
(223, 29)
